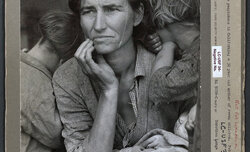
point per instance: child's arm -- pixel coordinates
(165, 58)
(174, 80)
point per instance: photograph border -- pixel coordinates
(247, 90)
(205, 75)
(12, 13)
(12, 80)
(12, 87)
(2, 76)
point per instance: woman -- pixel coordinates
(102, 92)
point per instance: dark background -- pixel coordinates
(31, 12)
(247, 91)
(2, 105)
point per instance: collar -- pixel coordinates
(140, 64)
(33, 62)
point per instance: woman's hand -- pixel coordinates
(100, 71)
(156, 141)
(101, 136)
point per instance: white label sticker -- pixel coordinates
(217, 61)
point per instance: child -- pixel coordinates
(175, 72)
(40, 122)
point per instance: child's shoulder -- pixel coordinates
(194, 48)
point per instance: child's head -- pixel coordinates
(169, 11)
(186, 123)
(62, 33)
(179, 128)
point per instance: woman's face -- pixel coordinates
(109, 23)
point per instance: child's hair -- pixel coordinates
(62, 31)
(169, 11)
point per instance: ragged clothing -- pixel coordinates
(179, 82)
(40, 122)
(77, 99)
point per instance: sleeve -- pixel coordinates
(75, 117)
(170, 138)
(40, 118)
(176, 83)
(76, 103)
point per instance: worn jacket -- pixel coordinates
(77, 99)
(40, 122)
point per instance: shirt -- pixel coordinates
(40, 122)
(77, 99)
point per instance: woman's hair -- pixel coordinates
(169, 11)
(62, 31)
(74, 5)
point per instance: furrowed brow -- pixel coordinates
(86, 8)
(112, 6)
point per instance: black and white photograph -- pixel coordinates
(110, 76)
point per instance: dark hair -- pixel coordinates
(74, 5)
(164, 12)
(62, 31)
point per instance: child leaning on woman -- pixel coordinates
(175, 73)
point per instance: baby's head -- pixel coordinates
(179, 128)
(169, 11)
(186, 123)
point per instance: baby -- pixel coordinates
(185, 124)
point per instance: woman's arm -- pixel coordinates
(84, 119)
(102, 133)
